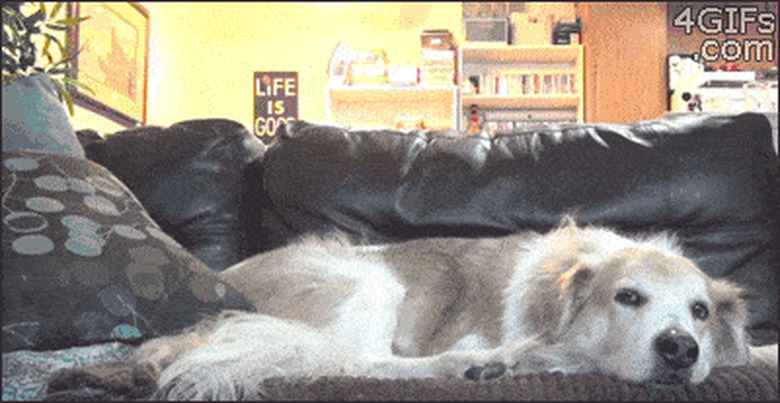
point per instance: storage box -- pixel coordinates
(487, 29)
(440, 39)
(527, 31)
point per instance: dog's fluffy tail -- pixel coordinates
(246, 348)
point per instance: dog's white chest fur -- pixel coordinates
(367, 318)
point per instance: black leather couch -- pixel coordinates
(713, 181)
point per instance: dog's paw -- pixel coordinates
(209, 382)
(486, 372)
(116, 381)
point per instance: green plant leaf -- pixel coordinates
(22, 55)
(10, 65)
(65, 60)
(73, 82)
(6, 37)
(45, 50)
(14, 28)
(56, 72)
(13, 5)
(64, 95)
(70, 21)
(16, 16)
(56, 27)
(60, 89)
(52, 38)
(56, 9)
(31, 20)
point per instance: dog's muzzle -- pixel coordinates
(677, 352)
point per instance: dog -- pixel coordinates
(576, 299)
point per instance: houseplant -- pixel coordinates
(36, 82)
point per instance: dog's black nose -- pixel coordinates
(678, 349)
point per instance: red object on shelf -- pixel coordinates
(729, 66)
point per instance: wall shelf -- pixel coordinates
(523, 78)
(538, 54)
(446, 107)
(383, 106)
(523, 101)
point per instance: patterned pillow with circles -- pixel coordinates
(84, 263)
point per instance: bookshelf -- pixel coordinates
(521, 84)
(384, 106)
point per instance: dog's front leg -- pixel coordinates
(764, 355)
(530, 357)
(451, 364)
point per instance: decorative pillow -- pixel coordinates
(35, 119)
(84, 263)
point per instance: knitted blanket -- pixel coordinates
(119, 382)
(725, 384)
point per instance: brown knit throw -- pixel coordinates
(123, 381)
(724, 384)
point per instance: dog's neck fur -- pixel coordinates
(460, 278)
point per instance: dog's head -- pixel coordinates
(647, 314)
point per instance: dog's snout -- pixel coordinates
(678, 349)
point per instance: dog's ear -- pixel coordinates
(567, 221)
(727, 324)
(575, 277)
(573, 289)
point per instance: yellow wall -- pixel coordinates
(84, 119)
(203, 55)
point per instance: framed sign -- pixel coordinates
(276, 102)
(113, 59)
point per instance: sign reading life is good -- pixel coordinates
(276, 102)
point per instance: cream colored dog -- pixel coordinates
(573, 300)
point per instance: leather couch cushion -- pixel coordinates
(193, 179)
(711, 180)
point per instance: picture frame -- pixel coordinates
(112, 59)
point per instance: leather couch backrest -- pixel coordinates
(194, 179)
(712, 180)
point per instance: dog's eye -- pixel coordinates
(629, 297)
(700, 311)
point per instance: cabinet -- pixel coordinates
(516, 85)
(384, 106)
(626, 58)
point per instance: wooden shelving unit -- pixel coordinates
(475, 52)
(505, 72)
(525, 101)
(446, 107)
(383, 106)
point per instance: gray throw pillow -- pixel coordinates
(83, 263)
(35, 119)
